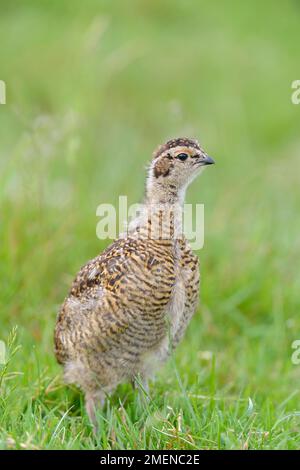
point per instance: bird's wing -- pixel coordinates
(120, 296)
(128, 267)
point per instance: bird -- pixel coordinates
(129, 307)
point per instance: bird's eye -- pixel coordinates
(182, 156)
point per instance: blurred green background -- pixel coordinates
(92, 88)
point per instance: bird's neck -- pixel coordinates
(161, 217)
(163, 193)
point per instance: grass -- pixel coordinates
(91, 89)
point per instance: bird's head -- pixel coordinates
(175, 164)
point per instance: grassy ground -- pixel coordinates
(92, 88)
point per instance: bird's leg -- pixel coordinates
(92, 402)
(141, 383)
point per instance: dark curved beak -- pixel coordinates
(208, 160)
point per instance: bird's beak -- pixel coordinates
(208, 160)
